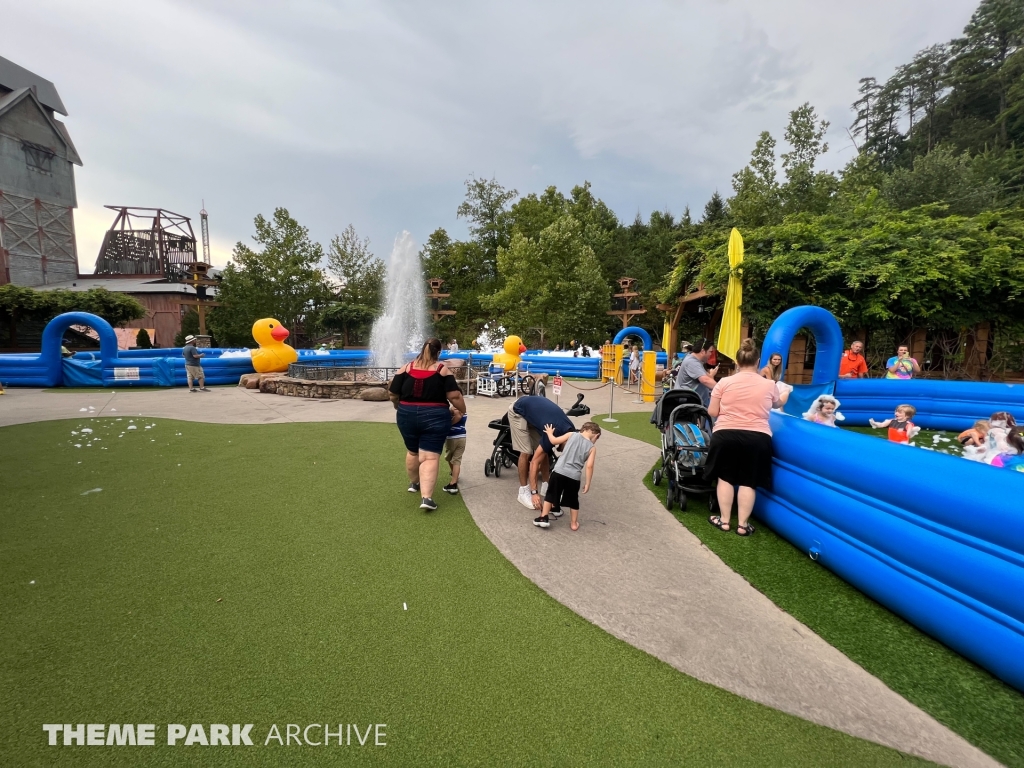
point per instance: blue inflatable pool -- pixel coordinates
(937, 539)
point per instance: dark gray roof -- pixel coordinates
(12, 76)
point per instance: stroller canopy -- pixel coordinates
(670, 400)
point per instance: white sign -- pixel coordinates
(131, 374)
(556, 385)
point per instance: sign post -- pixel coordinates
(556, 385)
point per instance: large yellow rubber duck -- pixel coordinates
(513, 347)
(273, 355)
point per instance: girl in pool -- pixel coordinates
(773, 370)
(999, 425)
(901, 428)
(1013, 457)
(825, 411)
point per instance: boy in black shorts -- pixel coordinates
(578, 455)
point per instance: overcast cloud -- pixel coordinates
(375, 113)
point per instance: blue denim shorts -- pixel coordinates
(424, 427)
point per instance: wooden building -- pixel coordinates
(37, 182)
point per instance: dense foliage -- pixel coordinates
(17, 302)
(575, 242)
(283, 280)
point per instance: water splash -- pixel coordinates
(403, 327)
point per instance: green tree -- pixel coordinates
(943, 176)
(282, 279)
(715, 212)
(552, 285)
(804, 189)
(757, 200)
(486, 209)
(360, 298)
(29, 303)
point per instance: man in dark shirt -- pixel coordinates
(527, 418)
(193, 365)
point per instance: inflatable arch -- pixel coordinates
(826, 332)
(645, 337)
(46, 368)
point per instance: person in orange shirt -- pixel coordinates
(852, 364)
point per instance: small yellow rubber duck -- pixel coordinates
(274, 355)
(513, 347)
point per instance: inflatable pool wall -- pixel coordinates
(109, 367)
(936, 539)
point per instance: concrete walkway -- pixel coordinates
(632, 569)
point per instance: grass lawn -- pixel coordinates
(281, 574)
(955, 691)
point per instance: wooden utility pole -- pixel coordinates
(624, 298)
(197, 278)
(435, 297)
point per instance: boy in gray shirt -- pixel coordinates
(578, 455)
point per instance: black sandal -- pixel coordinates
(716, 520)
(747, 530)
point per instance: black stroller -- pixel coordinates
(504, 455)
(685, 438)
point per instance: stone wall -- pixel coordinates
(326, 390)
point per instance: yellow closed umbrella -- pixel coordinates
(729, 335)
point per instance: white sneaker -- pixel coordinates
(543, 489)
(526, 498)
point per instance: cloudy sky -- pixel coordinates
(375, 113)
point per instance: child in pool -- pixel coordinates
(901, 428)
(825, 411)
(1014, 457)
(975, 441)
(976, 436)
(999, 425)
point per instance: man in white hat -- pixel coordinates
(193, 365)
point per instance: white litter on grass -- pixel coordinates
(73, 432)
(81, 462)
(86, 431)
(78, 445)
(33, 581)
(116, 419)
(149, 426)
(405, 607)
(92, 490)
(131, 427)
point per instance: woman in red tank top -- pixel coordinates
(422, 392)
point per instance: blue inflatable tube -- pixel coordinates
(935, 538)
(954, 405)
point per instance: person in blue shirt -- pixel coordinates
(454, 447)
(527, 418)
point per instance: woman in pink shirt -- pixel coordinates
(741, 441)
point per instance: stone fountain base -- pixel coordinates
(279, 384)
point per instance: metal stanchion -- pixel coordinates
(611, 402)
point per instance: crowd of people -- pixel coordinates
(557, 460)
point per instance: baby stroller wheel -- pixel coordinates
(669, 499)
(682, 501)
(507, 461)
(656, 477)
(526, 385)
(497, 468)
(488, 467)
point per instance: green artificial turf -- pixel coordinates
(281, 574)
(954, 690)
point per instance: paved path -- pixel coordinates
(632, 569)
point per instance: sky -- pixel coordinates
(376, 113)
